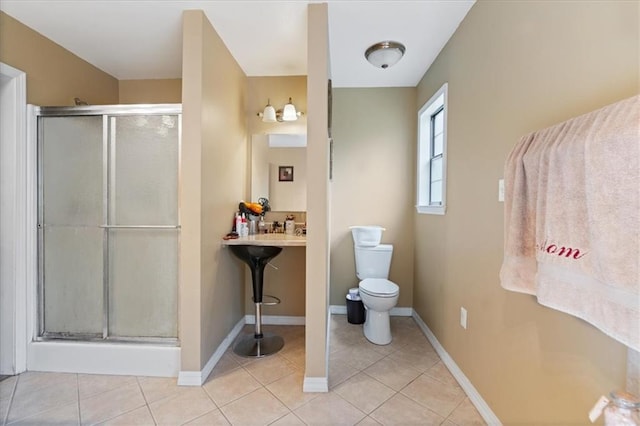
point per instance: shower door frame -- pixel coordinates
(108, 149)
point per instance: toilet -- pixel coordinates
(378, 294)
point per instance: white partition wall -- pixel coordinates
(14, 267)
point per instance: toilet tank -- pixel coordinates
(366, 236)
(373, 262)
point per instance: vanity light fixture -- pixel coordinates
(288, 113)
(269, 113)
(385, 54)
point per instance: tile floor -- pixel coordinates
(403, 383)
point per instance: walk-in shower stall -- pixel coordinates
(108, 224)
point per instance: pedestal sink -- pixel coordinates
(260, 344)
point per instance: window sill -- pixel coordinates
(440, 210)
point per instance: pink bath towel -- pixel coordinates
(572, 219)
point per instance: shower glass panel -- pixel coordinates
(143, 208)
(144, 170)
(143, 301)
(71, 197)
(109, 222)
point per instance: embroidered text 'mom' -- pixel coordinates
(556, 250)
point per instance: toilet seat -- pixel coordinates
(379, 287)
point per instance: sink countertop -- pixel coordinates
(279, 240)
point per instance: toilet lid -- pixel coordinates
(379, 287)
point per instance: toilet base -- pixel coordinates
(377, 327)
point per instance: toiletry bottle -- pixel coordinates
(262, 227)
(245, 226)
(289, 225)
(238, 224)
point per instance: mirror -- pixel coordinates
(279, 170)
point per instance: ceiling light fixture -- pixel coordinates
(288, 113)
(385, 54)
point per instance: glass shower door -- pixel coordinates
(108, 223)
(71, 262)
(142, 228)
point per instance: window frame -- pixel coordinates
(426, 114)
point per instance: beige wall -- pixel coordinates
(374, 133)
(278, 90)
(55, 76)
(157, 91)
(214, 161)
(513, 68)
(318, 194)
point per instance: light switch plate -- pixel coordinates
(501, 190)
(463, 318)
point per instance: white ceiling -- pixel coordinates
(141, 39)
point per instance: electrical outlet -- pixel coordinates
(463, 318)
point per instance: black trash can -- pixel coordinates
(355, 311)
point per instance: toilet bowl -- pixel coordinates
(379, 296)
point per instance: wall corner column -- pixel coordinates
(318, 202)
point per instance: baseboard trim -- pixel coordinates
(190, 378)
(315, 384)
(474, 396)
(197, 378)
(276, 320)
(395, 312)
(327, 342)
(338, 309)
(401, 312)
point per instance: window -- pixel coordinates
(432, 154)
